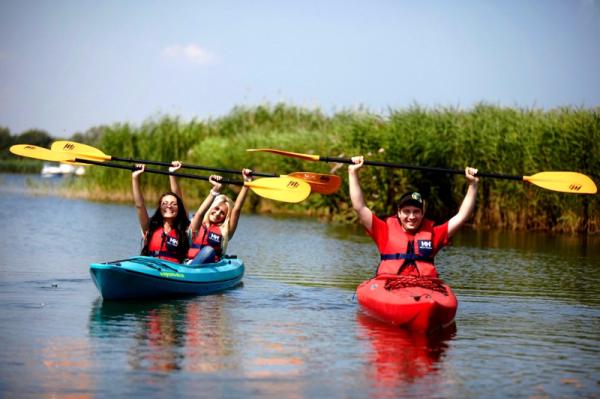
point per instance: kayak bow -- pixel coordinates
(149, 277)
(416, 303)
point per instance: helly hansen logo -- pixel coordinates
(425, 244)
(574, 187)
(425, 247)
(172, 242)
(293, 184)
(213, 237)
(68, 147)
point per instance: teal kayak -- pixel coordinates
(149, 277)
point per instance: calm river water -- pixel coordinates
(528, 323)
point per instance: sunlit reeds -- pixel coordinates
(491, 138)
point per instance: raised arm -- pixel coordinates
(205, 205)
(365, 216)
(468, 204)
(239, 203)
(175, 165)
(138, 199)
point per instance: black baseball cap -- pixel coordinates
(411, 199)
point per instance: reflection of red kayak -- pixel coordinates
(417, 303)
(398, 355)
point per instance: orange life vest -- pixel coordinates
(207, 236)
(409, 254)
(164, 246)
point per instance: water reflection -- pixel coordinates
(397, 356)
(532, 242)
(67, 362)
(166, 336)
(529, 315)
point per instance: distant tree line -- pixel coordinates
(32, 136)
(40, 138)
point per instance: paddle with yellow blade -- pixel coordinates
(566, 182)
(319, 182)
(285, 189)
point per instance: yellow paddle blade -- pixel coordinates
(79, 150)
(33, 151)
(319, 182)
(566, 182)
(306, 157)
(285, 189)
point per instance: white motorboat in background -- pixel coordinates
(51, 170)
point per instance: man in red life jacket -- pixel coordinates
(407, 241)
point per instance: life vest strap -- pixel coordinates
(410, 257)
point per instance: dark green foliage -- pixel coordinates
(32, 136)
(13, 164)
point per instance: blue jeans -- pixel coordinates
(206, 255)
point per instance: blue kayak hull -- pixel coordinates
(148, 277)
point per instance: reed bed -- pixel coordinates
(20, 166)
(491, 138)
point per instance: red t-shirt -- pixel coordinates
(379, 233)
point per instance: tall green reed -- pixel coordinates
(491, 138)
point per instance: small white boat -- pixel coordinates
(51, 170)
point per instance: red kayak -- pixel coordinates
(417, 303)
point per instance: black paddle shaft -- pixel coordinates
(160, 172)
(197, 167)
(423, 168)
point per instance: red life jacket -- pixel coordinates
(406, 253)
(164, 246)
(207, 236)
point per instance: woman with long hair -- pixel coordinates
(165, 233)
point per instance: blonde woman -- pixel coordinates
(215, 221)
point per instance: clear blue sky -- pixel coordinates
(68, 65)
